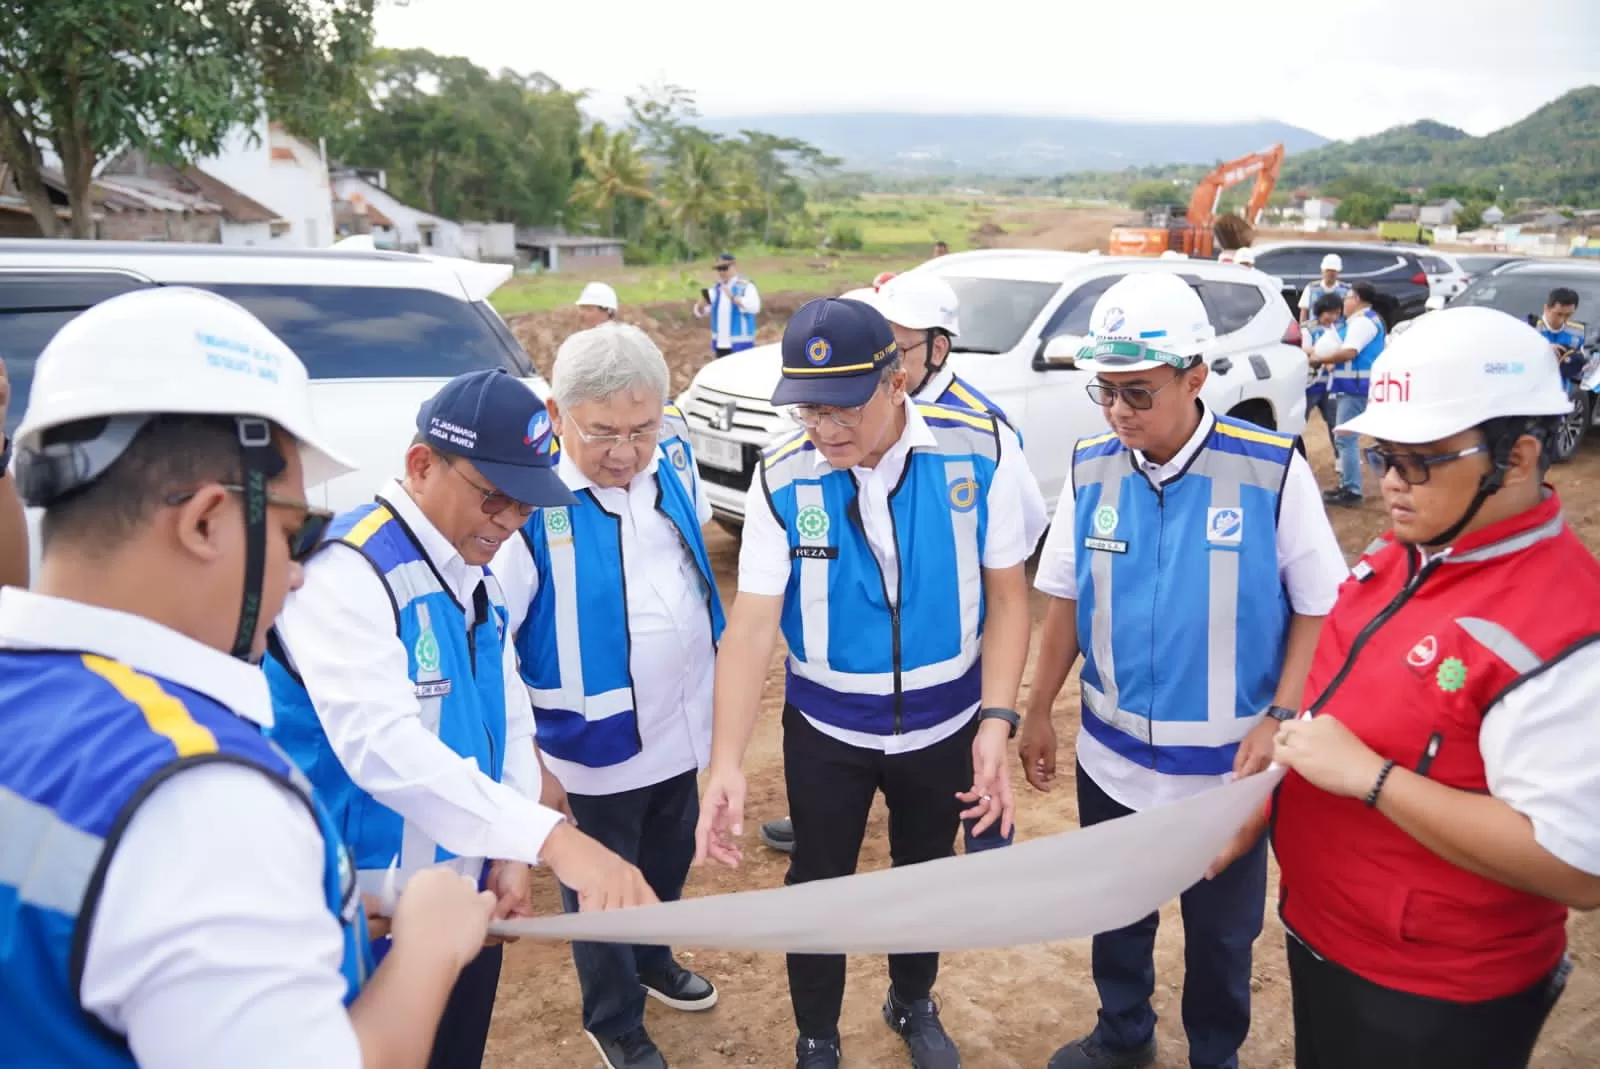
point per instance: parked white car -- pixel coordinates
(1446, 275)
(1024, 313)
(379, 332)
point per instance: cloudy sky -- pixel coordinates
(1343, 70)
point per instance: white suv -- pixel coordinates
(379, 332)
(1024, 313)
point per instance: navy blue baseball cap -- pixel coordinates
(834, 352)
(498, 423)
(725, 258)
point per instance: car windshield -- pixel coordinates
(1478, 265)
(995, 312)
(1523, 293)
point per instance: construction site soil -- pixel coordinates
(1008, 1009)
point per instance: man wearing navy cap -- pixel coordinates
(395, 689)
(905, 652)
(732, 304)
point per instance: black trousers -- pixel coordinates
(464, 1028)
(831, 785)
(1344, 1021)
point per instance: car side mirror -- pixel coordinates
(1434, 303)
(1059, 353)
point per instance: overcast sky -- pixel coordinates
(1344, 70)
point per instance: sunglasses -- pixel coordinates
(1137, 398)
(1414, 468)
(302, 540)
(494, 501)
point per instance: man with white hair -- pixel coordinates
(621, 677)
(596, 304)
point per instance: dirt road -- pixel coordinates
(1008, 1009)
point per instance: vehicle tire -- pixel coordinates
(1574, 425)
(732, 526)
(1255, 411)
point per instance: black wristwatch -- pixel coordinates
(994, 712)
(1279, 713)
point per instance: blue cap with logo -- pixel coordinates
(500, 425)
(834, 352)
(724, 258)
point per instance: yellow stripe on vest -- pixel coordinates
(967, 396)
(972, 419)
(1264, 437)
(368, 526)
(785, 449)
(166, 715)
(1085, 443)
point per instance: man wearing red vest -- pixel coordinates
(1438, 819)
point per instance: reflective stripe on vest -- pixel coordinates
(1354, 375)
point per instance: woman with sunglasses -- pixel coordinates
(395, 685)
(172, 892)
(1439, 818)
(1191, 564)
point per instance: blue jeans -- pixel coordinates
(652, 827)
(1221, 919)
(1320, 400)
(1347, 407)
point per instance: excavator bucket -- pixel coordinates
(1233, 232)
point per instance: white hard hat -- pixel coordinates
(1173, 254)
(599, 295)
(1454, 369)
(1332, 262)
(865, 295)
(1245, 256)
(1146, 320)
(919, 301)
(173, 350)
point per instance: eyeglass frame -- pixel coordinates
(1128, 393)
(832, 412)
(611, 441)
(305, 538)
(1382, 461)
(487, 506)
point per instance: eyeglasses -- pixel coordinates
(611, 441)
(494, 501)
(302, 540)
(1137, 398)
(809, 416)
(1414, 468)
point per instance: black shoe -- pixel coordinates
(1343, 498)
(631, 1050)
(779, 834)
(917, 1022)
(681, 989)
(817, 1053)
(1090, 1053)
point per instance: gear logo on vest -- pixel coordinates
(1451, 676)
(812, 523)
(557, 524)
(1105, 520)
(426, 652)
(963, 494)
(1423, 653)
(1224, 526)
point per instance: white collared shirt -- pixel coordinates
(212, 943)
(764, 562)
(671, 657)
(339, 630)
(1310, 564)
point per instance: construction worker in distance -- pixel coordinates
(944, 615)
(1323, 336)
(1332, 264)
(1565, 334)
(395, 684)
(1191, 564)
(1438, 819)
(172, 892)
(596, 304)
(922, 310)
(1351, 373)
(732, 303)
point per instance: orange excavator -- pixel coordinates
(1195, 231)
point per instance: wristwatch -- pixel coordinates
(1279, 713)
(994, 712)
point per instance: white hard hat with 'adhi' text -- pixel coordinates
(1147, 320)
(919, 302)
(599, 295)
(1455, 369)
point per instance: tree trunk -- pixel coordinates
(25, 162)
(79, 167)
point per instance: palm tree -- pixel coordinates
(694, 189)
(612, 171)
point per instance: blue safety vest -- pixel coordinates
(573, 644)
(962, 394)
(1318, 291)
(857, 660)
(1317, 379)
(1568, 337)
(741, 324)
(87, 739)
(1354, 376)
(1182, 616)
(455, 668)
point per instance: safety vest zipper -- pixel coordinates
(1368, 631)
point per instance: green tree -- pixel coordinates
(1362, 209)
(1148, 194)
(614, 174)
(92, 78)
(695, 187)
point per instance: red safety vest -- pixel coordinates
(1411, 658)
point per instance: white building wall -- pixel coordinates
(411, 225)
(296, 188)
(246, 234)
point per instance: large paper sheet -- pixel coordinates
(1066, 886)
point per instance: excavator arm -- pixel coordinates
(1208, 193)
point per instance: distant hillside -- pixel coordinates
(1553, 153)
(910, 145)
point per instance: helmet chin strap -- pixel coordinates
(930, 368)
(1487, 485)
(260, 463)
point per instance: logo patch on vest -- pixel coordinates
(963, 494)
(557, 525)
(1224, 526)
(679, 460)
(436, 688)
(1423, 653)
(1105, 520)
(812, 523)
(426, 652)
(1451, 676)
